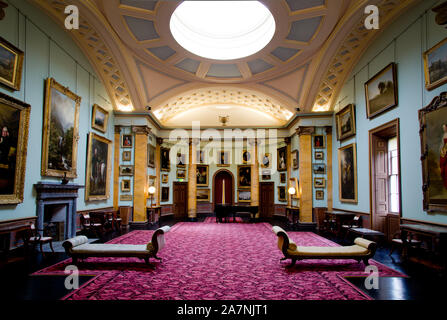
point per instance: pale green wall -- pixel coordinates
(403, 43)
(61, 59)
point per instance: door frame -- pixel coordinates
(375, 132)
(214, 185)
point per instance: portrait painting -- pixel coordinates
(203, 195)
(266, 160)
(319, 168)
(180, 160)
(125, 185)
(345, 122)
(319, 155)
(164, 194)
(246, 156)
(164, 159)
(100, 118)
(282, 177)
(435, 65)
(150, 156)
(11, 64)
(181, 174)
(224, 159)
(295, 160)
(126, 170)
(319, 141)
(282, 159)
(151, 181)
(244, 195)
(319, 195)
(282, 194)
(266, 175)
(200, 157)
(433, 135)
(202, 175)
(14, 126)
(60, 133)
(244, 176)
(319, 183)
(127, 155)
(99, 164)
(164, 178)
(126, 141)
(347, 173)
(381, 91)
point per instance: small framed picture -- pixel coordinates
(164, 194)
(319, 195)
(266, 161)
(282, 194)
(224, 159)
(100, 118)
(319, 183)
(127, 155)
(151, 181)
(435, 65)
(345, 122)
(295, 160)
(181, 160)
(164, 178)
(181, 173)
(266, 175)
(126, 141)
(282, 177)
(200, 157)
(244, 195)
(319, 155)
(319, 141)
(11, 65)
(203, 195)
(246, 156)
(319, 168)
(125, 185)
(126, 197)
(126, 170)
(150, 156)
(282, 159)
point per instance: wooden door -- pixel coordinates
(380, 179)
(180, 201)
(266, 199)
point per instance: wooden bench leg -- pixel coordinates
(293, 263)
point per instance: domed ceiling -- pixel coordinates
(315, 45)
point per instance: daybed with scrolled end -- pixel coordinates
(362, 250)
(79, 248)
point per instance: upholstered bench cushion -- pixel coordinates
(110, 249)
(354, 250)
(77, 241)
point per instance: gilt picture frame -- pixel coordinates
(435, 65)
(99, 168)
(11, 66)
(345, 122)
(347, 174)
(244, 177)
(100, 118)
(244, 195)
(203, 195)
(202, 176)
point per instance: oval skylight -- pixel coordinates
(222, 30)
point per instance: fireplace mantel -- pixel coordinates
(54, 193)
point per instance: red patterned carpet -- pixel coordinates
(220, 262)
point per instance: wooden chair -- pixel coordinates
(329, 223)
(91, 225)
(397, 242)
(354, 223)
(37, 238)
(115, 220)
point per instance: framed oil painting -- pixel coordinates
(347, 173)
(151, 181)
(244, 196)
(282, 159)
(295, 160)
(224, 159)
(127, 156)
(345, 122)
(282, 194)
(381, 91)
(126, 170)
(203, 195)
(164, 178)
(319, 183)
(319, 168)
(282, 177)
(126, 197)
(200, 157)
(150, 156)
(100, 118)
(164, 159)
(11, 64)
(202, 175)
(181, 174)
(125, 185)
(126, 141)
(244, 176)
(246, 156)
(319, 155)
(60, 133)
(164, 194)
(181, 160)
(435, 65)
(266, 175)
(319, 195)
(319, 141)
(266, 161)
(433, 135)
(99, 167)
(14, 126)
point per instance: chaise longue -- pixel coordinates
(362, 250)
(79, 248)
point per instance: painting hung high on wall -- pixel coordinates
(381, 91)
(164, 194)
(435, 65)
(319, 155)
(202, 176)
(126, 170)
(266, 160)
(347, 173)
(319, 141)
(60, 133)
(266, 175)
(125, 185)
(224, 159)
(14, 124)
(164, 160)
(246, 156)
(319, 168)
(100, 118)
(295, 160)
(127, 155)
(433, 134)
(181, 160)
(99, 164)
(150, 156)
(345, 122)
(282, 159)
(126, 141)
(244, 176)
(11, 63)
(181, 173)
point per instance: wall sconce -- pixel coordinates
(152, 192)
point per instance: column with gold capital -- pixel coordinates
(116, 167)
(192, 180)
(254, 173)
(306, 187)
(140, 173)
(329, 167)
(158, 171)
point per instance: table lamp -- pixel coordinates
(152, 192)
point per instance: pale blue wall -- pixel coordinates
(403, 43)
(61, 59)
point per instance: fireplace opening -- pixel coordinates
(54, 221)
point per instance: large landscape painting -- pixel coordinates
(98, 168)
(14, 122)
(61, 123)
(435, 64)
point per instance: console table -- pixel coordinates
(153, 215)
(21, 227)
(293, 216)
(340, 217)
